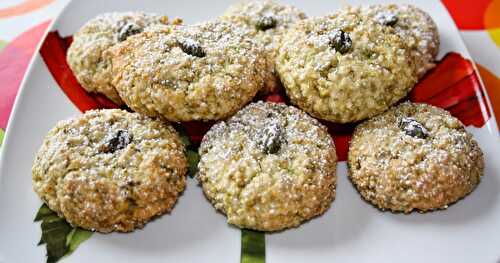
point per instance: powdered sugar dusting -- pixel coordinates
(203, 71)
(87, 55)
(273, 156)
(415, 26)
(110, 170)
(402, 173)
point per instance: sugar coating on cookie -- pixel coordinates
(110, 170)
(415, 27)
(414, 157)
(87, 55)
(344, 67)
(269, 167)
(206, 71)
(267, 21)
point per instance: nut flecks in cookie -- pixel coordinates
(269, 167)
(414, 157)
(266, 22)
(415, 27)
(87, 56)
(206, 71)
(344, 67)
(110, 170)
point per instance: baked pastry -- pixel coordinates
(415, 27)
(110, 170)
(206, 71)
(414, 157)
(87, 56)
(266, 21)
(344, 67)
(269, 167)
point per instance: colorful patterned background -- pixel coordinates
(23, 23)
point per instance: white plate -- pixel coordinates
(351, 230)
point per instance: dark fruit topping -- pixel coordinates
(271, 138)
(192, 48)
(413, 128)
(340, 41)
(266, 22)
(119, 141)
(128, 30)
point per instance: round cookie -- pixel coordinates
(267, 21)
(415, 27)
(110, 170)
(269, 167)
(344, 67)
(206, 71)
(87, 55)
(414, 157)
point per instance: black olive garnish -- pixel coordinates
(340, 41)
(266, 22)
(192, 48)
(387, 19)
(413, 128)
(128, 30)
(117, 142)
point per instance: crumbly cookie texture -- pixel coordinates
(269, 167)
(110, 170)
(414, 157)
(266, 21)
(87, 56)
(344, 67)
(206, 71)
(415, 27)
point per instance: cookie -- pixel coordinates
(110, 170)
(269, 167)
(415, 27)
(205, 72)
(266, 21)
(344, 67)
(87, 56)
(414, 157)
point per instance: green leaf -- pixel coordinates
(59, 237)
(191, 150)
(253, 246)
(183, 135)
(43, 212)
(54, 235)
(2, 133)
(79, 236)
(193, 158)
